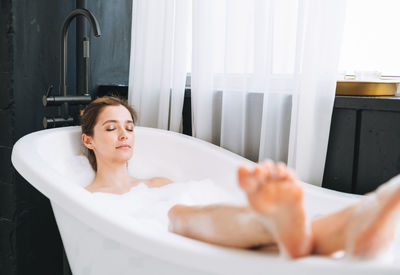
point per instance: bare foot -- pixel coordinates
(372, 227)
(274, 193)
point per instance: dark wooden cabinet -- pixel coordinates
(364, 143)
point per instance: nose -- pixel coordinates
(123, 134)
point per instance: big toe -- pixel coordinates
(246, 180)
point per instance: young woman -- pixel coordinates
(108, 132)
(275, 213)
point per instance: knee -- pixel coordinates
(177, 210)
(176, 218)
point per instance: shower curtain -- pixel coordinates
(263, 74)
(159, 52)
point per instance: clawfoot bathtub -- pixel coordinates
(100, 241)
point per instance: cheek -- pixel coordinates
(104, 143)
(132, 142)
(131, 138)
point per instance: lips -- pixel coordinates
(124, 146)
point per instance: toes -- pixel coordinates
(291, 175)
(259, 173)
(246, 180)
(267, 162)
(281, 170)
(265, 172)
(243, 172)
(268, 169)
(267, 165)
(285, 173)
(273, 171)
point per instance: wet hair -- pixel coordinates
(90, 114)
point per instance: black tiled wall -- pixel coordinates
(29, 63)
(7, 187)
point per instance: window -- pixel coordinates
(371, 39)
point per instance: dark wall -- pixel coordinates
(37, 58)
(29, 64)
(7, 188)
(109, 64)
(36, 66)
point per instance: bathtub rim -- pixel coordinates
(196, 254)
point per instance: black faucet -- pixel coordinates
(63, 98)
(64, 32)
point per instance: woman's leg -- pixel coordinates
(220, 224)
(279, 216)
(363, 229)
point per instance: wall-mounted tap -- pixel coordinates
(63, 98)
(64, 32)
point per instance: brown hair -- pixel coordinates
(90, 114)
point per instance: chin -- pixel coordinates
(123, 156)
(127, 157)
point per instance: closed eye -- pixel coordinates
(112, 129)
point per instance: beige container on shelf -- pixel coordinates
(382, 87)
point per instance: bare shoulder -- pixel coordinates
(92, 188)
(158, 182)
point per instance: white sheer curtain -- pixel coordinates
(159, 52)
(264, 76)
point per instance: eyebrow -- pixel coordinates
(115, 121)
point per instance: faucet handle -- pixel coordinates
(49, 89)
(86, 47)
(45, 96)
(53, 122)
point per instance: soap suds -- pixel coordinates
(150, 206)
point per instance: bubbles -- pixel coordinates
(151, 205)
(78, 169)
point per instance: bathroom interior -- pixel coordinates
(332, 104)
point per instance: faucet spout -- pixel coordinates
(64, 32)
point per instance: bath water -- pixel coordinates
(150, 206)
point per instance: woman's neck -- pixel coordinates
(112, 175)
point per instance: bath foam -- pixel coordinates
(78, 169)
(151, 205)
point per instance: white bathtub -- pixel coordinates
(99, 241)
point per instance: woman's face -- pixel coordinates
(113, 136)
